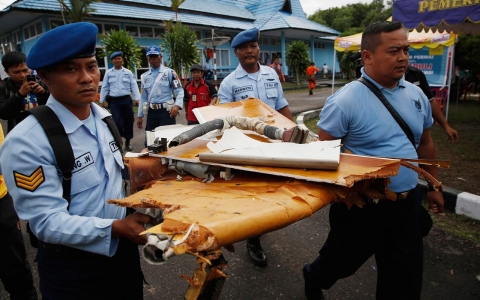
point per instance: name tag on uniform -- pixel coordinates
(194, 98)
(82, 162)
(271, 85)
(113, 146)
(242, 89)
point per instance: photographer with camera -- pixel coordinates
(15, 272)
(21, 90)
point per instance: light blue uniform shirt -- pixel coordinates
(366, 127)
(162, 90)
(239, 85)
(96, 177)
(117, 83)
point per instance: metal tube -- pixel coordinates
(195, 132)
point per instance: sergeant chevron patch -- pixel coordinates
(29, 182)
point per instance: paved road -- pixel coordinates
(451, 264)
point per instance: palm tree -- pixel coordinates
(175, 5)
(298, 57)
(121, 41)
(181, 43)
(77, 10)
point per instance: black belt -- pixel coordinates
(119, 98)
(69, 251)
(65, 250)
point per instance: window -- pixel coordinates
(319, 45)
(5, 44)
(132, 30)
(105, 28)
(263, 41)
(32, 30)
(16, 37)
(109, 27)
(159, 32)
(144, 31)
(276, 42)
(223, 57)
(201, 56)
(102, 63)
(198, 33)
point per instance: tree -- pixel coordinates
(121, 41)
(175, 5)
(77, 10)
(181, 43)
(346, 65)
(466, 56)
(353, 16)
(298, 57)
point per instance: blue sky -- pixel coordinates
(311, 6)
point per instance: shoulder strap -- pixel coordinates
(60, 143)
(114, 130)
(390, 108)
(62, 149)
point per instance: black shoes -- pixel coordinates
(312, 290)
(310, 92)
(256, 252)
(128, 146)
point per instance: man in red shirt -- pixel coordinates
(198, 93)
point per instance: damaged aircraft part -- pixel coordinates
(160, 247)
(144, 171)
(195, 132)
(159, 145)
(236, 148)
(156, 213)
(437, 185)
(248, 205)
(197, 170)
(292, 135)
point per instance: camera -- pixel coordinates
(31, 77)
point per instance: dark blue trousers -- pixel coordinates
(122, 114)
(15, 270)
(390, 231)
(67, 273)
(158, 117)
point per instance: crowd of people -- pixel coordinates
(79, 233)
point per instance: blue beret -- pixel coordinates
(115, 54)
(65, 42)
(246, 36)
(153, 50)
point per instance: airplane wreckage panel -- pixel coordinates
(232, 202)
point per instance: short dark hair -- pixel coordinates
(371, 35)
(12, 59)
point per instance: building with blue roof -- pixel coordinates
(279, 21)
